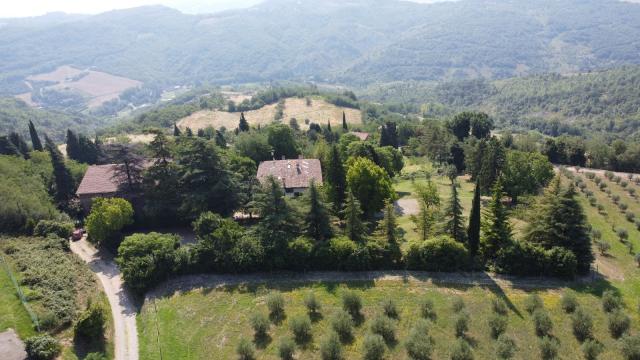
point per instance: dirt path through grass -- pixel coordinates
(190, 282)
(123, 308)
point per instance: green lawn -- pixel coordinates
(12, 313)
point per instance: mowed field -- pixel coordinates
(96, 86)
(319, 112)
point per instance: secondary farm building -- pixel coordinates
(100, 181)
(295, 174)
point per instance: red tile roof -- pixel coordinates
(294, 173)
(98, 180)
(361, 135)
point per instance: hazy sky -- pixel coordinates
(20, 8)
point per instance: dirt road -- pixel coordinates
(207, 281)
(122, 306)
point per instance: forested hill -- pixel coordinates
(356, 41)
(605, 101)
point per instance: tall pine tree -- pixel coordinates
(453, 212)
(73, 145)
(243, 126)
(317, 221)
(20, 144)
(428, 201)
(7, 147)
(344, 122)
(560, 221)
(473, 231)
(35, 139)
(64, 185)
(496, 229)
(352, 213)
(336, 178)
(176, 130)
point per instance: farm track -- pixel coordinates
(123, 307)
(208, 281)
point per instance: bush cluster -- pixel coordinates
(59, 228)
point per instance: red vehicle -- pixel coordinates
(77, 234)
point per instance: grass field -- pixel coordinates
(208, 323)
(12, 314)
(320, 112)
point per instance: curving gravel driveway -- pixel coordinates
(123, 307)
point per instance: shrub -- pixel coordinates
(596, 234)
(374, 347)
(206, 224)
(630, 216)
(582, 324)
(461, 324)
(330, 347)
(419, 344)
(615, 199)
(497, 324)
(260, 325)
(505, 347)
(300, 326)
(427, 309)
(312, 303)
(637, 258)
(600, 208)
(245, 350)
(619, 323)
(593, 201)
(542, 322)
(438, 254)
(42, 347)
(569, 301)
(458, 304)
(286, 348)
(623, 206)
(342, 324)
(532, 303)
(275, 304)
(610, 301)
(461, 351)
(384, 327)
(630, 347)
(623, 234)
(352, 303)
(638, 224)
(499, 307)
(548, 348)
(389, 308)
(624, 183)
(591, 349)
(147, 259)
(91, 323)
(59, 228)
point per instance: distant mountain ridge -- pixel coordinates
(351, 42)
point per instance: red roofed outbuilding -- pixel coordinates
(295, 174)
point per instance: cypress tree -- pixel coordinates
(73, 146)
(352, 213)
(20, 144)
(7, 147)
(453, 212)
(176, 130)
(220, 140)
(317, 220)
(389, 223)
(243, 125)
(336, 177)
(189, 132)
(495, 227)
(64, 184)
(329, 125)
(35, 139)
(473, 231)
(344, 122)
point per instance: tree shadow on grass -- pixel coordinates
(277, 317)
(315, 316)
(83, 346)
(262, 340)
